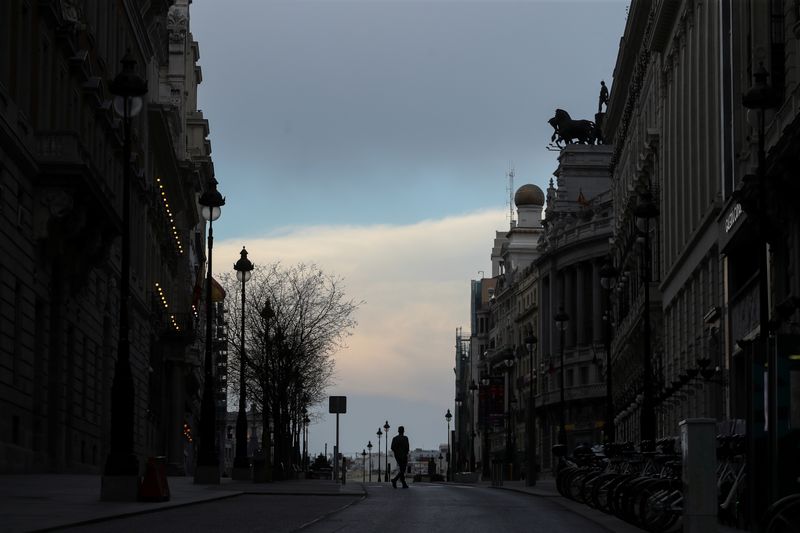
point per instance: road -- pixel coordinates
(446, 508)
(423, 507)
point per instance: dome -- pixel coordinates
(529, 194)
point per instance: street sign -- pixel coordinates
(337, 405)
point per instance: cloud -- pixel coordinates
(415, 282)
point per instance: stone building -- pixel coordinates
(509, 321)
(61, 178)
(572, 250)
(682, 133)
(665, 120)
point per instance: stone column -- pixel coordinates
(598, 305)
(581, 305)
(569, 306)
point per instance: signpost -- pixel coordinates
(337, 405)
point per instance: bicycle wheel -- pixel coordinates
(656, 505)
(783, 516)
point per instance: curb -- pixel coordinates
(137, 512)
(563, 503)
(232, 494)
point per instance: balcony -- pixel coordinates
(574, 393)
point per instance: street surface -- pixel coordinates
(445, 508)
(423, 507)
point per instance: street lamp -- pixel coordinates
(645, 211)
(241, 463)
(608, 275)
(448, 417)
(530, 477)
(485, 472)
(207, 470)
(761, 97)
(363, 465)
(509, 362)
(473, 388)
(120, 475)
(369, 447)
(306, 422)
(380, 463)
(562, 319)
(386, 431)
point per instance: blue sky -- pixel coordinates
(373, 137)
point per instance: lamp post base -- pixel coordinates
(206, 475)
(119, 488)
(243, 473)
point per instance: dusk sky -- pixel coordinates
(373, 138)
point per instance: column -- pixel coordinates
(597, 304)
(581, 305)
(569, 305)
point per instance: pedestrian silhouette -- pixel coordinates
(400, 449)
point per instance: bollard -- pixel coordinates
(699, 450)
(497, 473)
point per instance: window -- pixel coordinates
(584, 375)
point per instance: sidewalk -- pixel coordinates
(546, 487)
(41, 502)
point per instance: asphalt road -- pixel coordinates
(423, 507)
(452, 508)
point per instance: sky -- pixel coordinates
(374, 138)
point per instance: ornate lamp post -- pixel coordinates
(241, 463)
(530, 476)
(120, 475)
(363, 465)
(562, 319)
(448, 417)
(207, 470)
(760, 97)
(509, 362)
(473, 388)
(386, 431)
(645, 211)
(369, 447)
(306, 422)
(380, 463)
(485, 470)
(608, 276)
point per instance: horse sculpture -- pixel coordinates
(566, 129)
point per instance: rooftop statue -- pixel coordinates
(566, 130)
(603, 97)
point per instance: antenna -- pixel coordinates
(510, 191)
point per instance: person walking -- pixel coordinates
(400, 449)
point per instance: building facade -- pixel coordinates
(61, 179)
(573, 249)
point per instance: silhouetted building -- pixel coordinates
(61, 178)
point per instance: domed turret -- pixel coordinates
(529, 195)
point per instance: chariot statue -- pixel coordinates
(569, 131)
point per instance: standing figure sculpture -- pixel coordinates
(603, 97)
(566, 129)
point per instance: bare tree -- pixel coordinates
(296, 318)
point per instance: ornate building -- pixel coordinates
(61, 178)
(573, 249)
